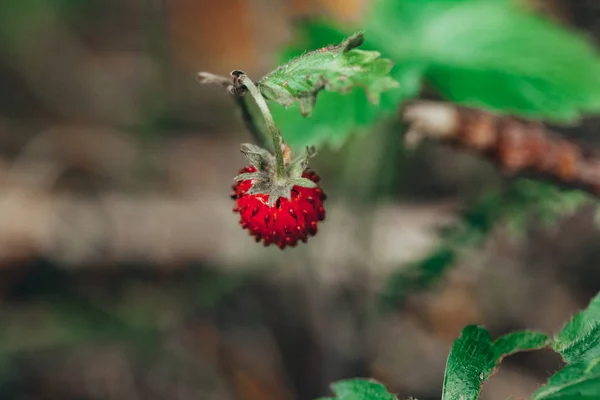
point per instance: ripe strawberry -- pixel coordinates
(278, 210)
(288, 220)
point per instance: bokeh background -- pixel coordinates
(124, 273)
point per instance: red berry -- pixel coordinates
(287, 221)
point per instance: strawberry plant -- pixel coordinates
(505, 65)
(277, 197)
(474, 358)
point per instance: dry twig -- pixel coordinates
(516, 145)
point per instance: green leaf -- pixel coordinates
(474, 357)
(482, 53)
(339, 115)
(360, 389)
(579, 344)
(333, 68)
(580, 338)
(493, 55)
(580, 381)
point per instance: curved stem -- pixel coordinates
(270, 123)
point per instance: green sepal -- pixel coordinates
(250, 176)
(265, 180)
(260, 158)
(299, 165)
(303, 182)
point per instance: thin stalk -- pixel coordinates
(258, 134)
(269, 122)
(240, 101)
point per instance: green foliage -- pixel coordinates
(580, 338)
(360, 389)
(334, 68)
(515, 205)
(492, 54)
(474, 357)
(340, 114)
(482, 53)
(580, 381)
(579, 345)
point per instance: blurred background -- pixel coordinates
(124, 273)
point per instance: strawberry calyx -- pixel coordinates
(268, 179)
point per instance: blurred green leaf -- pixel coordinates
(360, 389)
(417, 276)
(515, 206)
(492, 54)
(474, 357)
(333, 68)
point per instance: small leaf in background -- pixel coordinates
(474, 357)
(515, 206)
(333, 68)
(579, 345)
(492, 54)
(360, 389)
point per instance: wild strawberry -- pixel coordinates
(275, 209)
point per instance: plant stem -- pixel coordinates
(270, 123)
(258, 134)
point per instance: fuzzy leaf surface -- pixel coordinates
(333, 68)
(580, 338)
(340, 114)
(579, 381)
(579, 345)
(474, 357)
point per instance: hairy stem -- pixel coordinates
(270, 123)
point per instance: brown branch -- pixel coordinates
(516, 145)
